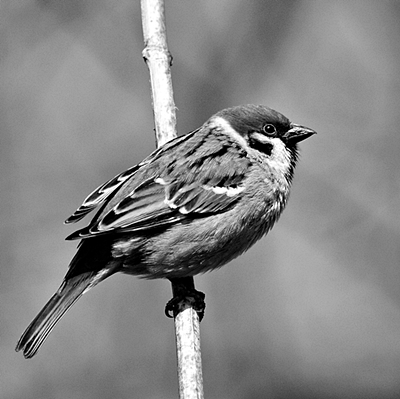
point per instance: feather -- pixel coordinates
(69, 292)
(164, 191)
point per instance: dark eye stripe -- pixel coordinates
(262, 146)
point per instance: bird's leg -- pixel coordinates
(184, 296)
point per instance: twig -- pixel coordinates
(159, 60)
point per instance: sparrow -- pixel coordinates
(191, 206)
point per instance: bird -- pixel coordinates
(191, 206)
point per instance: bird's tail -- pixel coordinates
(68, 293)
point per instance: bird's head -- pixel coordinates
(263, 124)
(265, 131)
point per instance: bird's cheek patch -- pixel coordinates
(261, 143)
(280, 156)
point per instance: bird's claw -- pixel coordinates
(186, 298)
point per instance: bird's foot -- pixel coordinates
(185, 296)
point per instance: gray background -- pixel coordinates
(313, 310)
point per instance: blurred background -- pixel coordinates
(313, 310)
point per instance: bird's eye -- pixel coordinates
(269, 129)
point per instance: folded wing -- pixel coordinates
(195, 179)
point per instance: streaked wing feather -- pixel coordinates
(144, 207)
(105, 191)
(99, 196)
(203, 199)
(193, 178)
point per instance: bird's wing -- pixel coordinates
(193, 179)
(102, 193)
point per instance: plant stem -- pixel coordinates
(159, 61)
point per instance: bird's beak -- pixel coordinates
(298, 133)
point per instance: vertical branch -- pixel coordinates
(159, 61)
